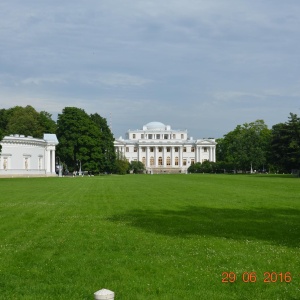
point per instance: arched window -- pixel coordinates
(168, 161)
(144, 160)
(160, 161)
(151, 161)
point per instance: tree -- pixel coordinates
(246, 147)
(137, 167)
(106, 143)
(122, 165)
(285, 145)
(26, 121)
(79, 140)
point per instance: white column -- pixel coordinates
(147, 157)
(53, 161)
(180, 156)
(210, 153)
(48, 159)
(200, 156)
(155, 156)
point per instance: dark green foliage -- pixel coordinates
(246, 146)
(79, 140)
(107, 150)
(205, 167)
(122, 166)
(26, 121)
(285, 145)
(137, 167)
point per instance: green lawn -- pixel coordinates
(150, 237)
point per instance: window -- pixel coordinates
(142, 136)
(158, 136)
(151, 161)
(150, 136)
(144, 160)
(205, 149)
(168, 161)
(151, 149)
(160, 161)
(168, 149)
(159, 149)
(176, 149)
(184, 162)
(143, 149)
(193, 149)
(184, 149)
(182, 136)
(133, 136)
(135, 149)
(174, 136)
(127, 149)
(176, 161)
(192, 161)
(166, 136)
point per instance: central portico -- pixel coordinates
(163, 149)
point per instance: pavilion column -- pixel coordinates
(48, 159)
(53, 162)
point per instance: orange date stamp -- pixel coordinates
(251, 277)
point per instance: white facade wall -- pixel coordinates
(22, 155)
(162, 149)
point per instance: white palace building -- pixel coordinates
(163, 149)
(27, 156)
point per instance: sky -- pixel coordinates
(205, 66)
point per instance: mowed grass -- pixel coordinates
(149, 236)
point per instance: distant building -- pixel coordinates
(23, 156)
(163, 149)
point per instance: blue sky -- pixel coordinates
(205, 66)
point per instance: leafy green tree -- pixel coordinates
(26, 121)
(46, 123)
(285, 145)
(79, 139)
(246, 147)
(106, 143)
(122, 165)
(137, 167)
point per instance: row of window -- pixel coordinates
(151, 136)
(168, 161)
(160, 149)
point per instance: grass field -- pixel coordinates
(150, 237)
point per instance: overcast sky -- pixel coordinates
(205, 66)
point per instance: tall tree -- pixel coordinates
(108, 155)
(246, 146)
(285, 144)
(79, 139)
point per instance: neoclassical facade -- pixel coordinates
(23, 156)
(163, 149)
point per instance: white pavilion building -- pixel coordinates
(28, 156)
(163, 149)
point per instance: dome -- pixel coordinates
(155, 126)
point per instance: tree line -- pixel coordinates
(254, 147)
(87, 140)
